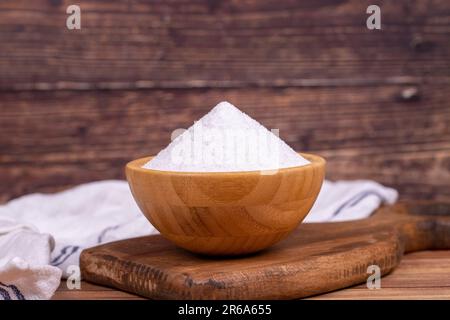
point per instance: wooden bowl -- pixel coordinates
(226, 213)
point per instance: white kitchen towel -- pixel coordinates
(24, 262)
(98, 212)
(349, 200)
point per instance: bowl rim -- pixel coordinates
(136, 166)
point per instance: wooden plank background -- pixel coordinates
(76, 105)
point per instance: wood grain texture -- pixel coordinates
(89, 291)
(202, 43)
(226, 213)
(375, 104)
(420, 275)
(53, 140)
(316, 258)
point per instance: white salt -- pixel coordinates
(226, 140)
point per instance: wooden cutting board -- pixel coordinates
(316, 258)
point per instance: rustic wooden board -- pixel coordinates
(203, 43)
(77, 137)
(420, 275)
(317, 258)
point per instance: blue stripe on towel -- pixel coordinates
(61, 253)
(5, 294)
(64, 255)
(357, 198)
(106, 230)
(16, 291)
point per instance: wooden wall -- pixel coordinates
(76, 105)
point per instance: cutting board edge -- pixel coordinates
(154, 283)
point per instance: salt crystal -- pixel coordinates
(226, 140)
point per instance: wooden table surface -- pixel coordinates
(420, 275)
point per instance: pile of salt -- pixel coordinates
(226, 140)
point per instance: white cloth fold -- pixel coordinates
(24, 262)
(349, 200)
(41, 235)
